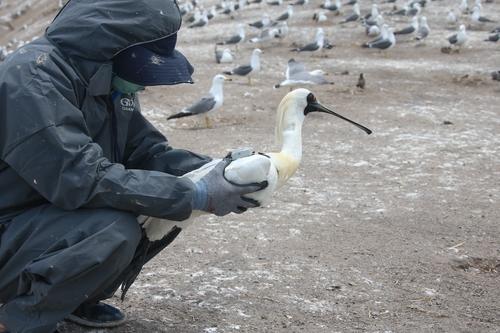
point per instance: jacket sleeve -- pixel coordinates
(44, 139)
(148, 149)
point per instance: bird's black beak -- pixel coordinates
(315, 106)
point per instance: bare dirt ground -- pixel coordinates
(393, 232)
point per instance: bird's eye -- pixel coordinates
(311, 98)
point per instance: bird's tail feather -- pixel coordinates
(179, 115)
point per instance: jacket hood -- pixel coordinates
(97, 30)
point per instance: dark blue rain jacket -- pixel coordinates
(65, 140)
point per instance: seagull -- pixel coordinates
(414, 9)
(384, 34)
(373, 26)
(201, 22)
(235, 39)
(266, 35)
(384, 43)
(301, 2)
(320, 17)
(477, 18)
(423, 29)
(493, 38)
(245, 166)
(373, 13)
(451, 18)
(248, 70)
(410, 29)
(286, 15)
(317, 45)
(296, 74)
(332, 7)
(497, 29)
(459, 38)
(274, 2)
(208, 103)
(354, 16)
(228, 7)
(282, 30)
(464, 7)
(224, 56)
(265, 22)
(212, 13)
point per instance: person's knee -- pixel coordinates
(126, 226)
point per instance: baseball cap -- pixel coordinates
(154, 63)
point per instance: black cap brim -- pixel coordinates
(144, 67)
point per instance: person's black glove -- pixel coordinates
(216, 195)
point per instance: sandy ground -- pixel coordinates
(393, 232)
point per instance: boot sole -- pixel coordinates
(93, 324)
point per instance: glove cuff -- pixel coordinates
(200, 196)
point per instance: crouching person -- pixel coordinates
(79, 163)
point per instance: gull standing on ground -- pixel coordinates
(286, 15)
(235, 39)
(296, 74)
(208, 103)
(423, 29)
(315, 46)
(332, 7)
(410, 29)
(373, 13)
(451, 18)
(493, 38)
(373, 27)
(477, 18)
(464, 7)
(354, 16)
(264, 23)
(248, 70)
(320, 16)
(384, 43)
(384, 33)
(223, 57)
(276, 168)
(202, 21)
(301, 2)
(274, 2)
(266, 35)
(459, 38)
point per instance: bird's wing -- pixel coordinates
(453, 39)
(282, 17)
(383, 44)
(233, 40)
(242, 70)
(203, 105)
(309, 47)
(306, 77)
(405, 31)
(257, 24)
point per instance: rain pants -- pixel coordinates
(78, 164)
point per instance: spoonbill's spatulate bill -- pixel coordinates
(275, 167)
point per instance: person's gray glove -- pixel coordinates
(216, 195)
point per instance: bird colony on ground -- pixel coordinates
(383, 23)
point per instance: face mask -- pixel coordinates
(124, 86)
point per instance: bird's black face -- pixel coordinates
(314, 106)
